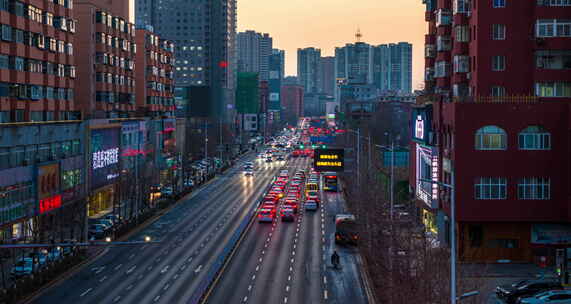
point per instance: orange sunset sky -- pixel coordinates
(326, 24)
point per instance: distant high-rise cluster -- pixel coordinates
(254, 50)
(387, 66)
(308, 62)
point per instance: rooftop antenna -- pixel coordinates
(358, 35)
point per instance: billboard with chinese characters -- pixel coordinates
(48, 180)
(329, 160)
(104, 152)
(427, 169)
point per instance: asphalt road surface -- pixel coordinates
(288, 262)
(192, 235)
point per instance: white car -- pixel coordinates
(248, 172)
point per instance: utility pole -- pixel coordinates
(206, 144)
(369, 150)
(392, 177)
(220, 144)
(358, 158)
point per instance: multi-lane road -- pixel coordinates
(281, 262)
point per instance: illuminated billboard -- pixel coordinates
(427, 169)
(329, 160)
(104, 152)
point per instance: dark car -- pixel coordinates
(510, 293)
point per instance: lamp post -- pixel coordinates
(452, 233)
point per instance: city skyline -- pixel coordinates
(290, 25)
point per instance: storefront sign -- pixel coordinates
(427, 169)
(329, 160)
(49, 204)
(551, 234)
(104, 156)
(422, 124)
(48, 180)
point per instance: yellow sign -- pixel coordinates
(326, 156)
(327, 163)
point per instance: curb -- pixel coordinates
(366, 279)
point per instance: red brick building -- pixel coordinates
(292, 103)
(106, 60)
(496, 113)
(154, 73)
(37, 68)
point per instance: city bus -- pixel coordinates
(311, 187)
(346, 231)
(330, 181)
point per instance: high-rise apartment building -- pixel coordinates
(281, 55)
(276, 65)
(254, 50)
(308, 62)
(494, 122)
(327, 75)
(354, 63)
(41, 135)
(204, 33)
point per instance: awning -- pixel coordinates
(551, 234)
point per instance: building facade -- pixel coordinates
(41, 135)
(327, 75)
(254, 50)
(154, 75)
(292, 103)
(205, 37)
(497, 126)
(308, 62)
(276, 65)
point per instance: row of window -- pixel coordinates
(116, 61)
(113, 97)
(156, 71)
(19, 116)
(167, 101)
(115, 22)
(34, 92)
(162, 58)
(9, 33)
(26, 155)
(528, 188)
(36, 66)
(495, 138)
(156, 41)
(116, 42)
(115, 79)
(160, 87)
(33, 13)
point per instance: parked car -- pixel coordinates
(23, 267)
(510, 293)
(551, 297)
(97, 231)
(40, 257)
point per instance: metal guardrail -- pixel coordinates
(198, 295)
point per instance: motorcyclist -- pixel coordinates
(335, 259)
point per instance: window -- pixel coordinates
(498, 91)
(498, 32)
(442, 69)
(553, 59)
(553, 28)
(443, 43)
(443, 17)
(553, 89)
(499, 3)
(554, 2)
(4, 62)
(6, 32)
(461, 6)
(534, 138)
(491, 138)
(490, 188)
(498, 63)
(462, 33)
(534, 188)
(461, 64)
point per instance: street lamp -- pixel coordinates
(452, 233)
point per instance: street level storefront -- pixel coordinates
(101, 200)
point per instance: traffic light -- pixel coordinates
(323, 147)
(301, 146)
(312, 146)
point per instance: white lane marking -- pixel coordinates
(257, 267)
(85, 292)
(103, 279)
(197, 270)
(249, 287)
(245, 299)
(131, 269)
(131, 256)
(287, 288)
(289, 278)
(118, 266)
(166, 287)
(189, 259)
(117, 298)
(165, 269)
(100, 269)
(325, 294)
(182, 267)
(290, 269)
(285, 300)
(157, 298)
(253, 277)
(324, 280)
(129, 287)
